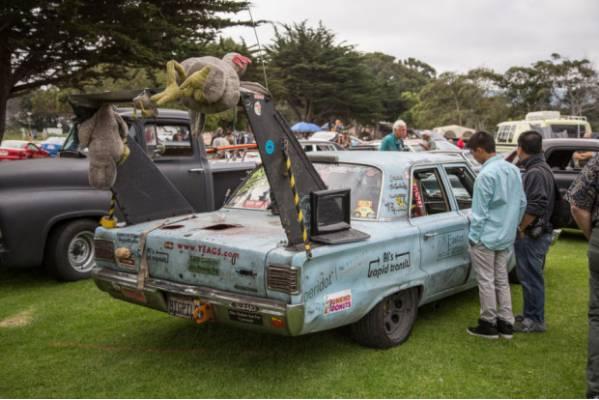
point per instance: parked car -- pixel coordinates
(20, 150)
(320, 145)
(48, 211)
(413, 145)
(53, 145)
(232, 265)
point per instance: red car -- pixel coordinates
(20, 150)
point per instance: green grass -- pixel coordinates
(81, 343)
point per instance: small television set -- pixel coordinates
(329, 211)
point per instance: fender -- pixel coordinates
(26, 221)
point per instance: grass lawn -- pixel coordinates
(71, 340)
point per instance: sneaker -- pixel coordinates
(529, 326)
(519, 318)
(505, 329)
(484, 329)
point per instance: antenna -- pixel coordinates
(259, 47)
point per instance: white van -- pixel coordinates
(550, 124)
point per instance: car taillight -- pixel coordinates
(283, 279)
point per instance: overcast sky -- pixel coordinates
(450, 35)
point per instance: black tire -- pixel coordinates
(70, 250)
(390, 322)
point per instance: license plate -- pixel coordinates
(181, 307)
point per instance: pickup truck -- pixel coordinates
(559, 154)
(48, 211)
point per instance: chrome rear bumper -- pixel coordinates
(123, 286)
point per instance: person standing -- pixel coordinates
(534, 232)
(343, 139)
(498, 204)
(394, 140)
(583, 196)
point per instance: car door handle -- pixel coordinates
(430, 235)
(196, 170)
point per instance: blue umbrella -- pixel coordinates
(305, 127)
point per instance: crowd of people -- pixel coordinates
(513, 212)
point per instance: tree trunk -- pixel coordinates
(3, 103)
(6, 85)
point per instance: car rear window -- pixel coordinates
(364, 182)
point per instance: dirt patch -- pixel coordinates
(19, 320)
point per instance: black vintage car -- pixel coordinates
(48, 211)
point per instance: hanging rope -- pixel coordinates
(296, 199)
(259, 48)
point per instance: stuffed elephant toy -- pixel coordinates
(104, 134)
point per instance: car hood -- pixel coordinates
(44, 173)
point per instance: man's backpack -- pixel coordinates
(560, 217)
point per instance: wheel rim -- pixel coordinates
(81, 251)
(397, 310)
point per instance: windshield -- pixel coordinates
(364, 182)
(14, 144)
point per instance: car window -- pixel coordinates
(308, 147)
(324, 147)
(31, 146)
(168, 140)
(428, 194)
(569, 159)
(417, 147)
(462, 184)
(364, 182)
(568, 130)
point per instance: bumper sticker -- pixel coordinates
(245, 317)
(204, 265)
(336, 302)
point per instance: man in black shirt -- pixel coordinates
(583, 196)
(534, 231)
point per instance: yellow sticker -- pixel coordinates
(399, 200)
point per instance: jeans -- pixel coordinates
(593, 355)
(493, 284)
(530, 260)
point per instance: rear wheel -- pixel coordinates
(390, 322)
(70, 250)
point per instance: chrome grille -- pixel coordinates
(104, 249)
(283, 279)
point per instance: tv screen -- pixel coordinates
(330, 211)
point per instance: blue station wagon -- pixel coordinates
(232, 266)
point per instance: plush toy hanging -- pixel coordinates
(203, 84)
(104, 134)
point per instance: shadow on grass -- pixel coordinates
(25, 277)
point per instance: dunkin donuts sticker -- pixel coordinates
(336, 302)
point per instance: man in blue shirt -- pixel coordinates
(394, 140)
(498, 205)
